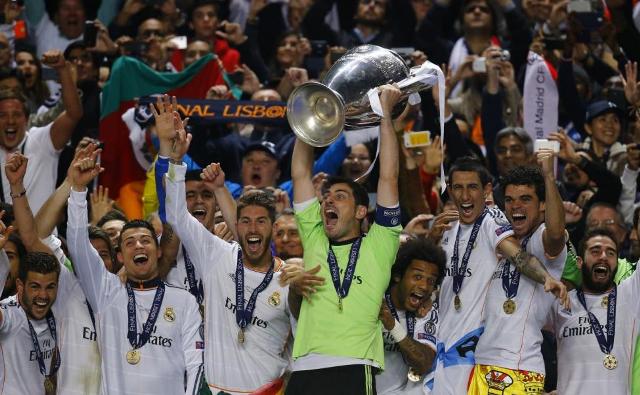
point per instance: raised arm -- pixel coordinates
(174, 143)
(301, 167)
(214, 176)
(553, 237)
(388, 181)
(4, 260)
(15, 169)
(65, 123)
(531, 267)
(89, 268)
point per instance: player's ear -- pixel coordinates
(579, 262)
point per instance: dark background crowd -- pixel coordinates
(266, 48)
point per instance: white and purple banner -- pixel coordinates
(540, 98)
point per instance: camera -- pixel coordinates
(479, 64)
(588, 12)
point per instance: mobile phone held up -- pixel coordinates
(90, 34)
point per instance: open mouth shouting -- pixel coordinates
(466, 209)
(415, 300)
(600, 272)
(11, 134)
(256, 179)
(330, 217)
(518, 220)
(253, 244)
(40, 307)
(140, 259)
(200, 213)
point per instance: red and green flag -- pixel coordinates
(131, 79)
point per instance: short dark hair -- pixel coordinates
(12, 94)
(359, 192)
(257, 197)
(419, 248)
(590, 234)
(201, 3)
(469, 163)
(20, 248)
(286, 212)
(110, 216)
(517, 132)
(192, 175)
(38, 262)
(137, 223)
(98, 233)
(80, 44)
(525, 175)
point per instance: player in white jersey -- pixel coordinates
(80, 371)
(246, 310)
(149, 333)
(472, 244)
(409, 341)
(597, 337)
(508, 353)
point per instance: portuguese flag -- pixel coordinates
(131, 79)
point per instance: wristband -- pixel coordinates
(18, 195)
(398, 332)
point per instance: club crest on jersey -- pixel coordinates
(274, 299)
(169, 314)
(498, 380)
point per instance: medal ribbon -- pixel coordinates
(511, 279)
(409, 316)
(605, 343)
(458, 273)
(195, 289)
(343, 289)
(244, 314)
(138, 340)
(51, 323)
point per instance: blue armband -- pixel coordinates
(388, 217)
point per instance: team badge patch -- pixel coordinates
(274, 299)
(169, 314)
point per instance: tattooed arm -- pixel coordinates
(531, 267)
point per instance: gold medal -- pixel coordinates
(457, 303)
(49, 387)
(241, 336)
(413, 376)
(610, 362)
(133, 356)
(169, 314)
(509, 306)
(340, 304)
(605, 301)
(201, 308)
(274, 299)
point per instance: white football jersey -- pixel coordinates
(393, 380)
(513, 340)
(581, 367)
(175, 345)
(460, 330)
(263, 357)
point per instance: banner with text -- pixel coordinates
(223, 111)
(540, 98)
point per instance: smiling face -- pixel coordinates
(13, 123)
(70, 18)
(599, 264)
(416, 285)
(254, 231)
(604, 129)
(341, 216)
(286, 237)
(26, 65)
(37, 293)
(357, 163)
(139, 252)
(468, 194)
(523, 208)
(201, 202)
(259, 169)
